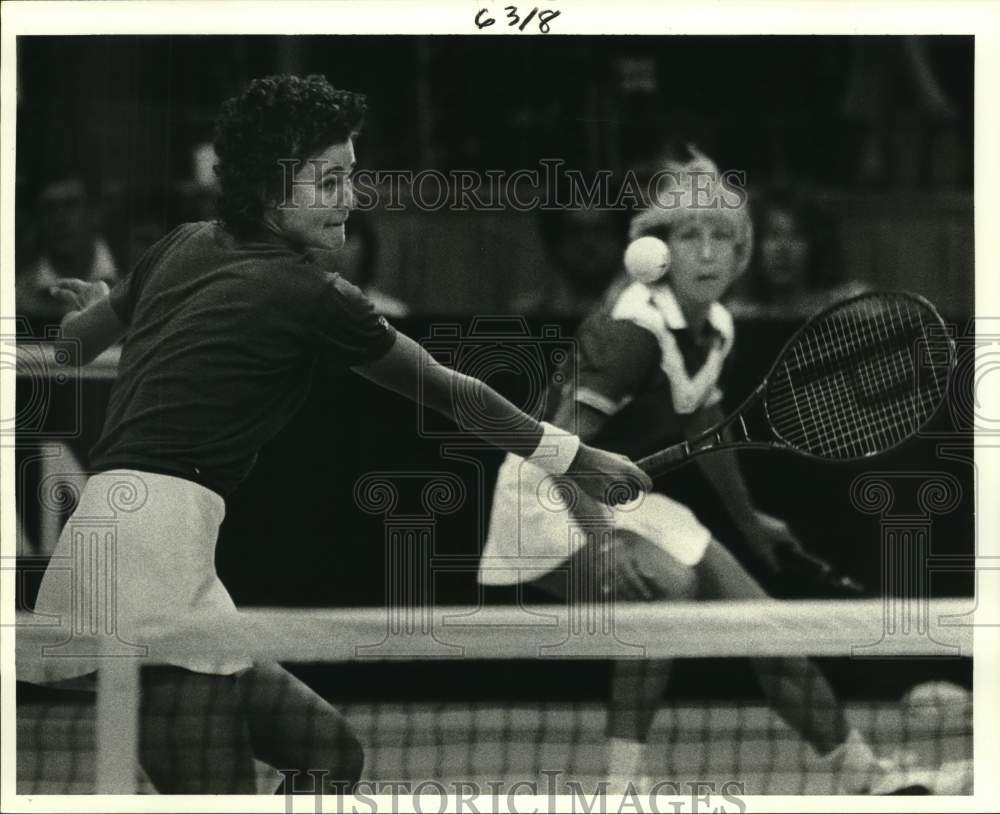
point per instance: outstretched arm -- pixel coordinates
(409, 370)
(91, 319)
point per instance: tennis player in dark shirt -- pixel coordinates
(225, 326)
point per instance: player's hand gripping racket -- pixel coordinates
(858, 379)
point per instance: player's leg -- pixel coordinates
(801, 694)
(795, 687)
(629, 569)
(193, 738)
(294, 729)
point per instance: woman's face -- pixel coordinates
(320, 200)
(704, 258)
(784, 250)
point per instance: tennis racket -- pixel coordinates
(858, 379)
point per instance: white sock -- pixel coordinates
(853, 764)
(624, 758)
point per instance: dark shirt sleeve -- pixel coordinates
(125, 293)
(346, 328)
(616, 357)
(122, 298)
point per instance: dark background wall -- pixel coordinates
(878, 129)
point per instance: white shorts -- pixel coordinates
(532, 532)
(137, 554)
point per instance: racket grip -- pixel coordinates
(665, 460)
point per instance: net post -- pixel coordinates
(117, 731)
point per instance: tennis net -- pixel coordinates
(513, 700)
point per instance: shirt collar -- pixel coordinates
(666, 304)
(265, 235)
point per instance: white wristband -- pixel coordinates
(556, 451)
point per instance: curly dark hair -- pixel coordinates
(275, 118)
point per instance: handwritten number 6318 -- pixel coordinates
(484, 20)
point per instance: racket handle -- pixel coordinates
(665, 460)
(729, 432)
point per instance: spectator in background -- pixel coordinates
(68, 245)
(585, 247)
(356, 263)
(796, 269)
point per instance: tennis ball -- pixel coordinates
(647, 259)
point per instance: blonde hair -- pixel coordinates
(693, 188)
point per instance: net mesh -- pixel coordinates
(527, 724)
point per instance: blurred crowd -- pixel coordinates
(895, 122)
(68, 231)
(797, 265)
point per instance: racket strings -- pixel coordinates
(852, 428)
(852, 385)
(839, 422)
(874, 375)
(856, 434)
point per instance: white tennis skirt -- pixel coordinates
(532, 531)
(137, 554)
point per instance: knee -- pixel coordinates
(353, 759)
(668, 577)
(336, 769)
(679, 584)
(723, 577)
(683, 584)
(345, 761)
